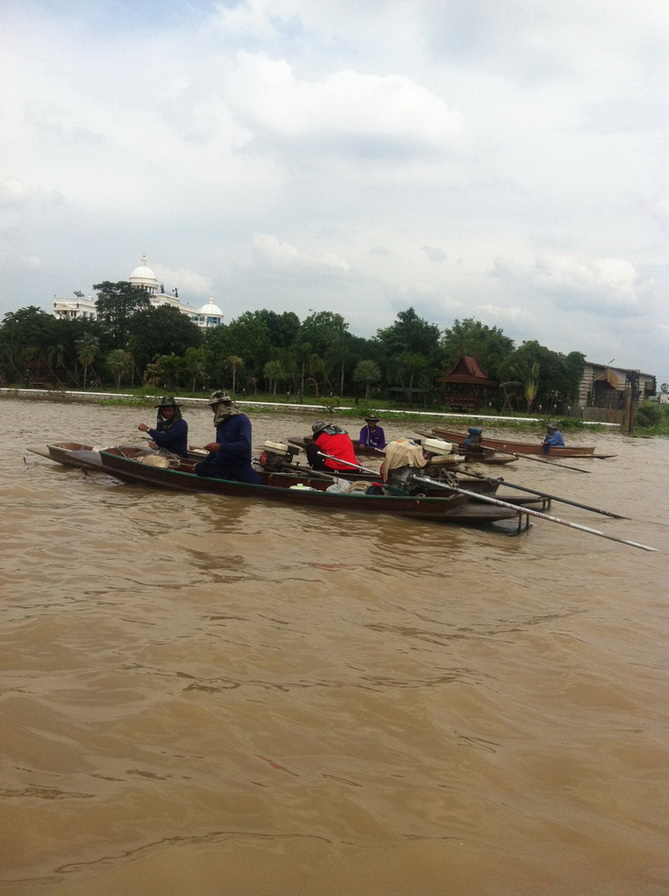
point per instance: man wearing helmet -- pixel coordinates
(171, 430)
(230, 455)
(332, 440)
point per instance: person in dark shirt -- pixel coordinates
(372, 435)
(332, 440)
(553, 439)
(171, 430)
(230, 455)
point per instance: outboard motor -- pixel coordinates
(402, 479)
(276, 456)
(439, 460)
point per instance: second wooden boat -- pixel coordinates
(513, 447)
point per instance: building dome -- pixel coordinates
(144, 277)
(211, 309)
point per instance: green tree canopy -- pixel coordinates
(161, 331)
(119, 362)
(322, 329)
(488, 345)
(557, 377)
(31, 335)
(115, 305)
(281, 328)
(248, 338)
(367, 373)
(410, 333)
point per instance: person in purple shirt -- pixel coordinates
(171, 430)
(553, 438)
(230, 455)
(371, 434)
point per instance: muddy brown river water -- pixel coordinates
(204, 696)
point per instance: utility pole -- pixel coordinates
(632, 378)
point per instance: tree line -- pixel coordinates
(135, 344)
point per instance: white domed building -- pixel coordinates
(143, 277)
(209, 315)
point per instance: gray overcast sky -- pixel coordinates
(505, 160)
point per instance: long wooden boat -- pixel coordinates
(514, 447)
(77, 454)
(299, 490)
(71, 454)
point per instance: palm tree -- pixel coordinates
(234, 361)
(196, 364)
(88, 348)
(119, 361)
(529, 376)
(367, 372)
(55, 358)
(274, 372)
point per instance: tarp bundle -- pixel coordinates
(402, 453)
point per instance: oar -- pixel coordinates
(548, 463)
(432, 483)
(532, 491)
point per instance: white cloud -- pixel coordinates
(272, 254)
(601, 285)
(348, 156)
(378, 108)
(187, 282)
(513, 314)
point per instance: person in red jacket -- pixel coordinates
(334, 441)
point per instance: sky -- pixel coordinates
(502, 160)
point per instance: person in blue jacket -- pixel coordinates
(553, 439)
(230, 455)
(171, 430)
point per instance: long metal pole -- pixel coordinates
(432, 483)
(349, 464)
(533, 491)
(548, 463)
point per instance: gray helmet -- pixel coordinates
(219, 397)
(319, 426)
(167, 401)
